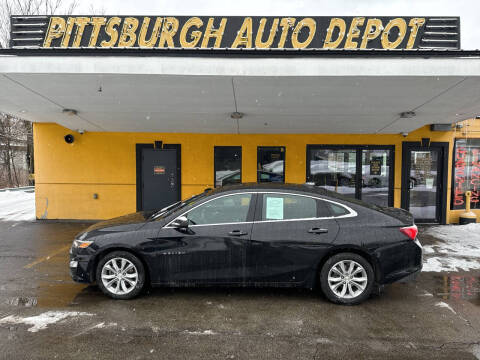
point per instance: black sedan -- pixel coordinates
(252, 235)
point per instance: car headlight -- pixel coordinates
(80, 243)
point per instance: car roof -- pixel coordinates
(273, 186)
(269, 186)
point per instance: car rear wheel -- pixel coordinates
(120, 275)
(347, 279)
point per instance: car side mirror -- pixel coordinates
(180, 223)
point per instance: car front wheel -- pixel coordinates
(347, 279)
(120, 275)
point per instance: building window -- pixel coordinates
(335, 170)
(271, 164)
(376, 176)
(228, 165)
(363, 172)
(466, 173)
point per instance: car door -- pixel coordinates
(213, 247)
(291, 233)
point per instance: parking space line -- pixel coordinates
(45, 258)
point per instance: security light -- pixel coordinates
(69, 112)
(407, 114)
(236, 115)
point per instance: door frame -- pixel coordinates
(358, 175)
(441, 201)
(138, 168)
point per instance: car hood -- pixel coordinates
(122, 223)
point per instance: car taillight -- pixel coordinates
(410, 231)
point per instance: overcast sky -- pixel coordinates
(468, 10)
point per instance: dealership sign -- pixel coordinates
(184, 32)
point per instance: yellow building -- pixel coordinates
(146, 121)
(95, 177)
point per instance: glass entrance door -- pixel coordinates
(422, 193)
(423, 184)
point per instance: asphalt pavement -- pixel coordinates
(44, 315)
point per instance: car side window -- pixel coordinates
(288, 207)
(226, 209)
(337, 210)
(323, 209)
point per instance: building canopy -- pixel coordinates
(317, 75)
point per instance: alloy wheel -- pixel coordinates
(347, 279)
(119, 276)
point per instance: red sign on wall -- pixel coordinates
(466, 173)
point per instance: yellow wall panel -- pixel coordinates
(67, 175)
(76, 201)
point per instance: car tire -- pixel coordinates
(347, 285)
(120, 275)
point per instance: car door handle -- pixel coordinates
(237, 233)
(317, 230)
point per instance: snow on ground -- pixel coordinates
(457, 248)
(41, 321)
(17, 205)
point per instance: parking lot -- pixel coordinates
(43, 314)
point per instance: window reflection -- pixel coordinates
(375, 176)
(228, 165)
(271, 164)
(334, 170)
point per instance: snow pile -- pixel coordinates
(458, 248)
(205, 332)
(17, 205)
(41, 321)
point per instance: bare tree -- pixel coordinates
(14, 135)
(30, 7)
(16, 138)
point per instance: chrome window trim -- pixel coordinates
(352, 213)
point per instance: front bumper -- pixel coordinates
(81, 267)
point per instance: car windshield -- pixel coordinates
(174, 207)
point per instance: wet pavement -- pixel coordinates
(44, 315)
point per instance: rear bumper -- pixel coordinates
(401, 262)
(411, 276)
